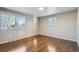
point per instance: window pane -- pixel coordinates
(20, 21)
(52, 21)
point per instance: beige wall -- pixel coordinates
(65, 26)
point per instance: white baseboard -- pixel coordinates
(17, 39)
(78, 43)
(4, 42)
(41, 34)
(60, 37)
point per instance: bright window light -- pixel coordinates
(41, 8)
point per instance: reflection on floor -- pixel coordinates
(40, 43)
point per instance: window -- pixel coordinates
(52, 21)
(10, 21)
(20, 21)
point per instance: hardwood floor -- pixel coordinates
(40, 43)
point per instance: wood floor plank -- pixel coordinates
(40, 43)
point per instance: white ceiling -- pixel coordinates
(47, 11)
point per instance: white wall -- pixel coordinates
(65, 26)
(35, 25)
(78, 26)
(16, 34)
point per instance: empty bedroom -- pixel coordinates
(39, 29)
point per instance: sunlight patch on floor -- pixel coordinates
(35, 42)
(51, 49)
(19, 49)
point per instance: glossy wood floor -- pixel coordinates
(40, 43)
